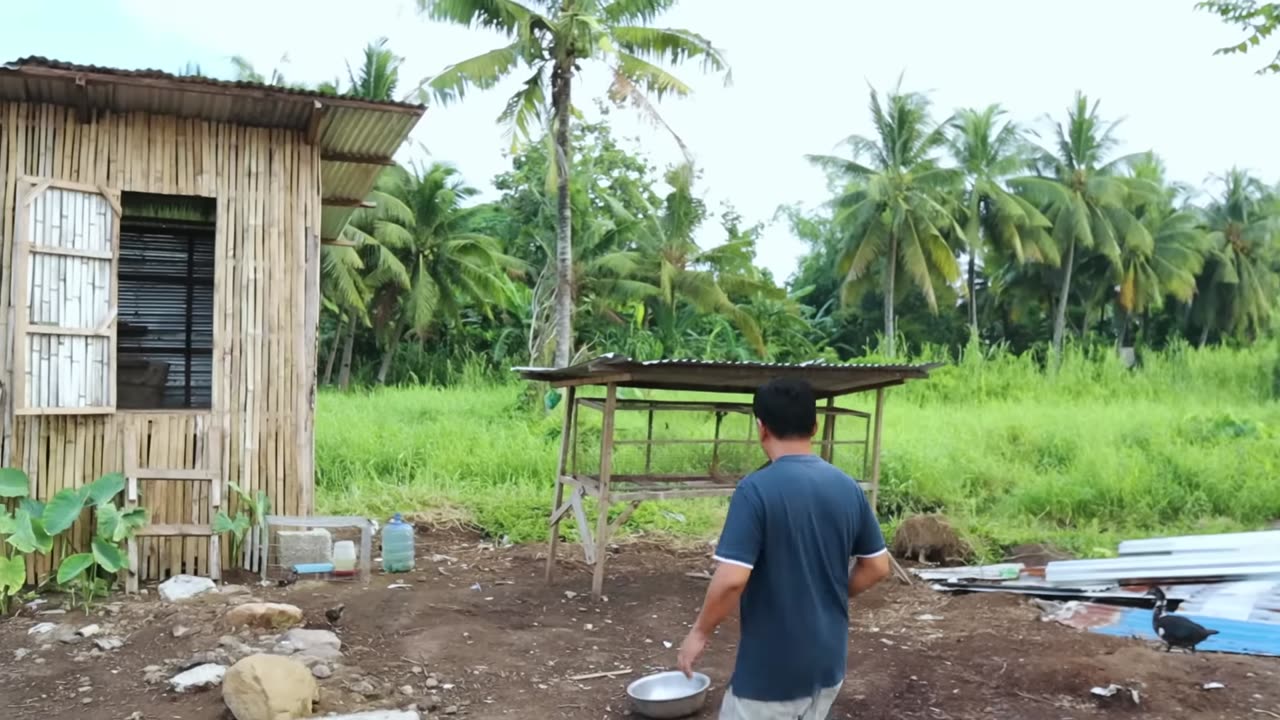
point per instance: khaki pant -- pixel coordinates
(810, 708)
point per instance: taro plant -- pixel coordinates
(33, 527)
(13, 564)
(252, 511)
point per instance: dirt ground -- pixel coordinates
(499, 643)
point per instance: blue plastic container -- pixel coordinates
(397, 546)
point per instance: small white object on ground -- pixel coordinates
(1112, 689)
(183, 587)
(378, 715)
(41, 628)
(1213, 686)
(88, 631)
(198, 678)
(928, 618)
(398, 586)
(107, 644)
(666, 644)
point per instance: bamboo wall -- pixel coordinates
(266, 299)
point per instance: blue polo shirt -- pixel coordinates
(796, 524)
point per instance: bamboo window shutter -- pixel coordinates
(64, 272)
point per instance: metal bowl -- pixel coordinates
(669, 694)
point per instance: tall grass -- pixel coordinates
(1082, 455)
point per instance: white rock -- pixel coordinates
(88, 631)
(321, 671)
(198, 678)
(108, 644)
(314, 643)
(181, 631)
(182, 587)
(379, 715)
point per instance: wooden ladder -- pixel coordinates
(211, 473)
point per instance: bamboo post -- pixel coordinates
(566, 444)
(648, 444)
(602, 501)
(829, 430)
(875, 448)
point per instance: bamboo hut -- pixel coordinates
(160, 244)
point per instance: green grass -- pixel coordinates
(1082, 457)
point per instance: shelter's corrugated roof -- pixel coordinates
(356, 137)
(827, 379)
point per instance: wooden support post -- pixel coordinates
(130, 451)
(566, 442)
(648, 445)
(877, 431)
(875, 448)
(829, 431)
(602, 501)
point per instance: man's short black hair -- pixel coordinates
(787, 408)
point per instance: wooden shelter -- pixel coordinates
(160, 246)
(608, 486)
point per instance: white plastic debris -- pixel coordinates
(1112, 690)
(928, 618)
(1212, 686)
(198, 678)
(88, 631)
(182, 587)
(41, 628)
(398, 586)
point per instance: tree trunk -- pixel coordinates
(344, 376)
(890, 334)
(1204, 336)
(561, 80)
(1060, 314)
(389, 354)
(333, 351)
(973, 296)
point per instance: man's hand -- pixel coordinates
(691, 651)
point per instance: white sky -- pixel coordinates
(800, 78)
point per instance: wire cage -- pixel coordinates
(312, 548)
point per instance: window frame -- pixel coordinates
(29, 188)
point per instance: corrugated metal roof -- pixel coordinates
(827, 379)
(350, 129)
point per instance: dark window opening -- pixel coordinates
(165, 278)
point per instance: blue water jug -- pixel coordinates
(397, 546)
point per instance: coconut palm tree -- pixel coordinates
(428, 265)
(683, 274)
(1168, 267)
(895, 210)
(552, 41)
(989, 150)
(1081, 190)
(1238, 287)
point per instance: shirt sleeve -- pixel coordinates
(743, 533)
(867, 538)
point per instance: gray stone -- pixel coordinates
(433, 682)
(407, 690)
(198, 678)
(181, 631)
(308, 640)
(183, 587)
(321, 671)
(108, 644)
(21, 653)
(89, 631)
(451, 710)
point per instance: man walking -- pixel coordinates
(785, 552)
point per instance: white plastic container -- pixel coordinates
(344, 558)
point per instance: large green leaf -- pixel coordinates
(7, 523)
(108, 521)
(223, 523)
(105, 488)
(35, 508)
(29, 534)
(13, 483)
(108, 556)
(13, 574)
(63, 510)
(73, 566)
